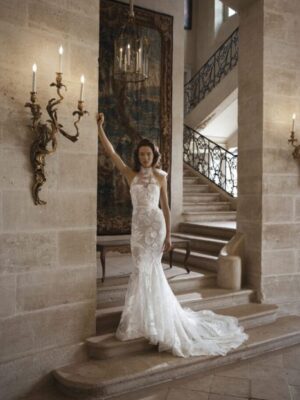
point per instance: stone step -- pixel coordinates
(107, 319)
(189, 174)
(202, 229)
(103, 379)
(209, 206)
(107, 346)
(197, 259)
(203, 216)
(192, 180)
(200, 197)
(207, 244)
(195, 188)
(179, 280)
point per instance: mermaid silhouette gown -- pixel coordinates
(151, 309)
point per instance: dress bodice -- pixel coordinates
(145, 190)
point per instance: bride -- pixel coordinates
(151, 309)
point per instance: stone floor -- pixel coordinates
(273, 376)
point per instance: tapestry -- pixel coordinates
(132, 110)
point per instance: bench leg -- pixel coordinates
(188, 252)
(102, 258)
(171, 258)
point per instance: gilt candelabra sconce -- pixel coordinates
(45, 134)
(293, 140)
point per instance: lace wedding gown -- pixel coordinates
(151, 309)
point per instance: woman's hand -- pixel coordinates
(100, 119)
(167, 244)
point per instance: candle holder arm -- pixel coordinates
(292, 140)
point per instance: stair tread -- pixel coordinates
(219, 225)
(201, 194)
(200, 294)
(241, 311)
(199, 237)
(215, 203)
(186, 184)
(199, 254)
(173, 274)
(214, 212)
(99, 374)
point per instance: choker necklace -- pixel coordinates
(145, 170)
(146, 175)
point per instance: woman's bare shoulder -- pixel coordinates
(160, 175)
(160, 172)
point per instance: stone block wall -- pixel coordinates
(281, 188)
(269, 190)
(47, 253)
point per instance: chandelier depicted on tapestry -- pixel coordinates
(132, 110)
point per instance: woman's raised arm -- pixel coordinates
(108, 147)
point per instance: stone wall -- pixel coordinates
(47, 253)
(281, 189)
(268, 207)
(203, 40)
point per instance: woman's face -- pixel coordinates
(145, 156)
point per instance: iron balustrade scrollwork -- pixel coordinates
(212, 72)
(211, 160)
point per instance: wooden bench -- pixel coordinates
(104, 246)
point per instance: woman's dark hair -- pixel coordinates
(136, 161)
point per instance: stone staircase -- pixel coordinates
(206, 242)
(200, 202)
(118, 367)
(115, 367)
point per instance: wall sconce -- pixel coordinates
(293, 140)
(45, 141)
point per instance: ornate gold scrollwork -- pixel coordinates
(45, 134)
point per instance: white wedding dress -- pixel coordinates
(151, 309)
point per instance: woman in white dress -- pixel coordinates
(151, 309)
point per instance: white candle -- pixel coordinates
(293, 124)
(137, 61)
(121, 58)
(128, 54)
(61, 52)
(81, 87)
(140, 58)
(125, 63)
(34, 68)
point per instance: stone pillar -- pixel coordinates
(47, 253)
(250, 123)
(268, 210)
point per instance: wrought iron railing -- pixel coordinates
(212, 160)
(212, 72)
